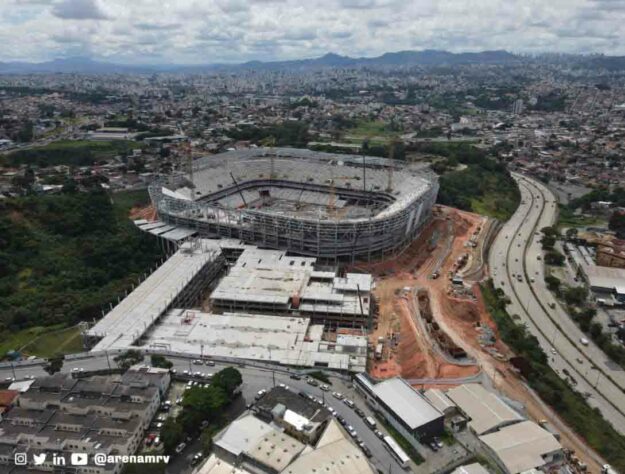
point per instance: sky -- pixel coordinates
(231, 31)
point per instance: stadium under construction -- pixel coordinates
(339, 208)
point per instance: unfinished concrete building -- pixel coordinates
(329, 206)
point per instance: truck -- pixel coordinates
(378, 350)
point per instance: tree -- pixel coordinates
(171, 435)
(553, 257)
(617, 224)
(553, 283)
(160, 361)
(575, 295)
(128, 359)
(199, 404)
(54, 365)
(228, 379)
(26, 133)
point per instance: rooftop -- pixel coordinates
(127, 321)
(521, 447)
(486, 410)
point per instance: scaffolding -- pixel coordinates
(400, 215)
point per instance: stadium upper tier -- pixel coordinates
(345, 207)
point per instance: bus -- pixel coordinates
(399, 454)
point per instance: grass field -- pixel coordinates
(42, 341)
(377, 131)
(70, 152)
(567, 218)
(55, 343)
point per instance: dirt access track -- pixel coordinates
(452, 244)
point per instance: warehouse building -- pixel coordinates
(485, 410)
(403, 407)
(522, 447)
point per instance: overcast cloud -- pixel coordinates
(210, 31)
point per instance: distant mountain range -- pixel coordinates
(428, 57)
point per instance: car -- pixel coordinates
(210, 363)
(433, 445)
(584, 341)
(341, 420)
(159, 425)
(157, 441)
(312, 382)
(579, 361)
(173, 371)
(260, 394)
(553, 351)
(365, 450)
(324, 387)
(438, 442)
(196, 459)
(332, 410)
(302, 393)
(359, 412)
(337, 395)
(379, 434)
(295, 377)
(197, 362)
(185, 372)
(204, 424)
(349, 403)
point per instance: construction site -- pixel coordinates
(382, 279)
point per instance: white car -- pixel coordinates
(337, 395)
(325, 388)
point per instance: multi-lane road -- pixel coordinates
(516, 266)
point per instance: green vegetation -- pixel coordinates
(70, 152)
(55, 343)
(160, 361)
(376, 132)
(63, 258)
(128, 359)
(403, 442)
(319, 375)
(483, 186)
(202, 404)
(285, 134)
(568, 218)
(571, 406)
(616, 196)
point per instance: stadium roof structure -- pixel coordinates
(324, 205)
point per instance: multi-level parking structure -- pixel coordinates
(331, 206)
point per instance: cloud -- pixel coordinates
(79, 10)
(157, 26)
(200, 31)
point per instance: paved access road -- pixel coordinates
(517, 268)
(255, 379)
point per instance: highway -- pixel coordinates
(517, 251)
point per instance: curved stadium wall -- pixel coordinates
(402, 216)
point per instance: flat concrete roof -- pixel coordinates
(486, 410)
(521, 447)
(132, 317)
(287, 340)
